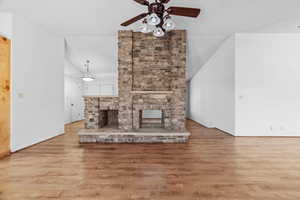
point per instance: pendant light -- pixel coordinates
(88, 77)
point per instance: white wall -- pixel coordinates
(267, 84)
(6, 24)
(211, 91)
(262, 72)
(37, 84)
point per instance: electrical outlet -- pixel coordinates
(271, 128)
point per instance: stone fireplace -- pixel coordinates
(151, 76)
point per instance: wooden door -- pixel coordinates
(4, 96)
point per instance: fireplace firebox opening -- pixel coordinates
(151, 119)
(108, 119)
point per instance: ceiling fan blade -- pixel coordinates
(143, 2)
(182, 11)
(164, 1)
(137, 18)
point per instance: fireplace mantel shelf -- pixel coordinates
(92, 96)
(152, 92)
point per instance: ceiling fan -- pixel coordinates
(159, 17)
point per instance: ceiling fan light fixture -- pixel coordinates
(169, 24)
(153, 19)
(158, 32)
(145, 28)
(158, 17)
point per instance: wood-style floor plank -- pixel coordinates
(212, 166)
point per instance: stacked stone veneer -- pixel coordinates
(151, 75)
(151, 63)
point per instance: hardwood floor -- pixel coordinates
(213, 165)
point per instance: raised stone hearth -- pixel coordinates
(151, 76)
(151, 135)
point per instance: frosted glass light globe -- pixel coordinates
(144, 28)
(158, 32)
(169, 24)
(153, 19)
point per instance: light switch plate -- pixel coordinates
(21, 95)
